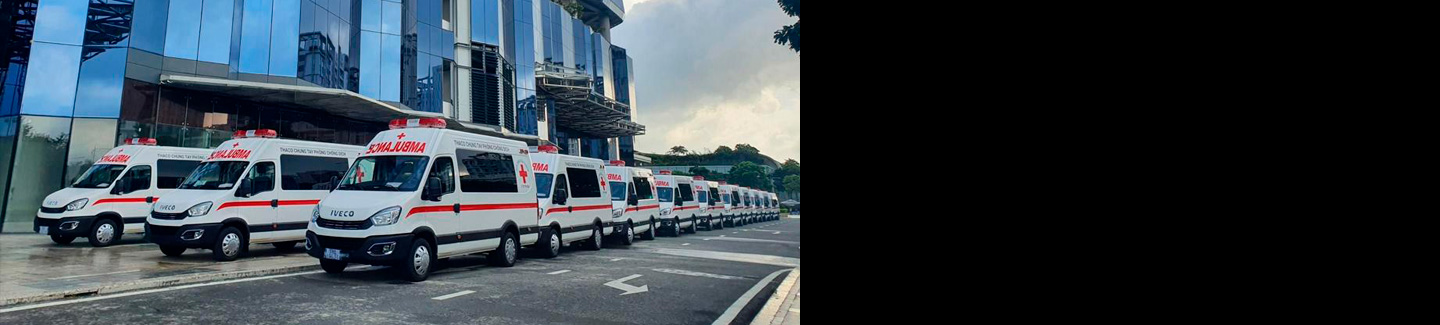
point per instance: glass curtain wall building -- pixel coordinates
(83, 75)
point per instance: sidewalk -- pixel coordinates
(783, 308)
(33, 269)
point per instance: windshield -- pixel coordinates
(99, 176)
(385, 173)
(542, 183)
(666, 194)
(215, 175)
(617, 191)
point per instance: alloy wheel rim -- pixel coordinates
(421, 259)
(510, 250)
(104, 233)
(554, 244)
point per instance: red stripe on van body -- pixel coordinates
(648, 207)
(470, 207)
(249, 204)
(122, 200)
(579, 208)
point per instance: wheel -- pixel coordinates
(550, 246)
(228, 244)
(333, 267)
(104, 233)
(628, 237)
(504, 256)
(675, 227)
(63, 240)
(172, 251)
(596, 241)
(417, 267)
(649, 233)
(692, 226)
(285, 246)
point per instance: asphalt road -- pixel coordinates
(693, 279)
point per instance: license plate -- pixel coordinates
(44, 230)
(334, 254)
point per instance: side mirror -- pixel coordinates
(245, 188)
(334, 183)
(121, 185)
(432, 189)
(560, 197)
(634, 200)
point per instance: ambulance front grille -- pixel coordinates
(52, 210)
(167, 216)
(346, 225)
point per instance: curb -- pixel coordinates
(771, 313)
(156, 283)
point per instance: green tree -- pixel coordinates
(678, 150)
(792, 183)
(703, 172)
(790, 34)
(750, 175)
(745, 148)
(723, 151)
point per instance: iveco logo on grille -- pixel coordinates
(168, 207)
(338, 213)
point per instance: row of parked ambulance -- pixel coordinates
(417, 193)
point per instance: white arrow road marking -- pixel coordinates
(453, 295)
(558, 272)
(629, 289)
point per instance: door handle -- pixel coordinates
(149, 199)
(570, 209)
(274, 203)
(457, 208)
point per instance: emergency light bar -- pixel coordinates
(549, 148)
(433, 123)
(722, 182)
(617, 163)
(699, 178)
(664, 172)
(261, 133)
(140, 141)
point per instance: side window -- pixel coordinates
(642, 188)
(685, 192)
(561, 189)
(445, 170)
(170, 173)
(262, 177)
(310, 173)
(139, 178)
(487, 172)
(583, 186)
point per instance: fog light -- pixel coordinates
(69, 225)
(192, 234)
(382, 249)
(307, 244)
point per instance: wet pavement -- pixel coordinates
(33, 268)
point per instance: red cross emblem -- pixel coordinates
(523, 174)
(237, 144)
(402, 136)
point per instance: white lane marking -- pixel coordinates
(722, 235)
(724, 256)
(81, 276)
(616, 259)
(739, 304)
(558, 272)
(777, 233)
(453, 295)
(141, 292)
(752, 240)
(685, 244)
(699, 274)
(629, 289)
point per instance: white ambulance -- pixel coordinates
(634, 205)
(702, 201)
(253, 188)
(774, 206)
(677, 204)
(730, 197)
(102, 204)
(420, 193)
(574, 203)
(747, 200)
(715, 210)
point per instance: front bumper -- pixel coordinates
(66, 226)
(189, 236)
(358, 250)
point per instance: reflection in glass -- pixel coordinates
(51, 76)
(255, 36)
(102, 74)
(109, 22)
(285, 38)
(390, 67)
(182, 30)
(370, 64)
(61, 21)
(217, 20)
(90, 139)
(149, 25)
(42, 141)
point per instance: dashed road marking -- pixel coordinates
(699, 274)
(616, 259)
(558, 272)
(685, 244)
(453, 295)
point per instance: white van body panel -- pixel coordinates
(132, 207)
(641, 214)
(578, 215)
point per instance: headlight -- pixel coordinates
(388, 216)
(76, 205)
(199, 209)
(315, 213)
(617, 213)
(665, 212)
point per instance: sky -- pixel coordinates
(708, 73)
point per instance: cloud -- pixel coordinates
(709, 74)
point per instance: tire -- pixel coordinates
(596, 241)
(418, 262)
(333, 267)
(62, 240)
(505, 255)
(229, 244)
(649, 233)
(104, 233)
(172, 251)
(693, 228)
(628, 237)
(675, 228)
(285, 246)
(550, 245)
